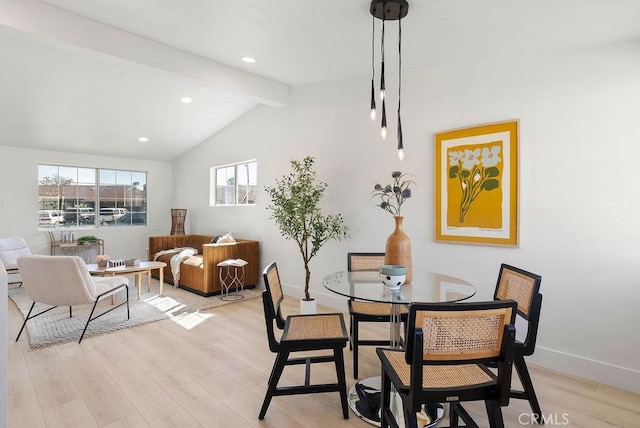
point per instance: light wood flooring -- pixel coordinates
(213, 373)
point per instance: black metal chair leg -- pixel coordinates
(88, 320)
(278, 367)
(91, 318)
(28, 317)
(127, 294)
(527, 384)
(25, 320)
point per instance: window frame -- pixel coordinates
(79, 192)
(250, 187)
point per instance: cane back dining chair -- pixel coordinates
(65, 281)
(361, 311)
(10, 250)
(523, 287)
(317, 332)
(447, 349)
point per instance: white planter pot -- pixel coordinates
(308, 307)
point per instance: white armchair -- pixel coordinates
(10, 250)
(65, 281)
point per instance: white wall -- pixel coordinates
(19, 196)
(578, 203)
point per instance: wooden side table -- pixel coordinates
(74, 248)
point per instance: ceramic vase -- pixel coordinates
(398, 249)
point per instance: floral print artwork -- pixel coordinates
(474, 183)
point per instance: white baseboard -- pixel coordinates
(598, 371)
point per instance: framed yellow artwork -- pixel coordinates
(477, 184)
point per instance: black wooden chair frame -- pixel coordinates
(526, 347)
(413, 397)
(284, 348)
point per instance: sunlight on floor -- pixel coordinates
(188, 321)
(173, 309)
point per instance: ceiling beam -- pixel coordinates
(57, 28)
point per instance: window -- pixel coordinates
(234, 184)
(72, 197)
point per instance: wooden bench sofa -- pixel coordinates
(199, 273)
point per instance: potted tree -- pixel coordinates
(295, 208)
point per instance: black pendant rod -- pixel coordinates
(373, 68)
(400, 142)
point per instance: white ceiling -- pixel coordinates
(91, 76)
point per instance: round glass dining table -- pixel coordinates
(425, 287)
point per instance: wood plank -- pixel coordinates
(70, 414)
(100, 394)
(165, 375)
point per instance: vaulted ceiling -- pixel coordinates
(92, 76)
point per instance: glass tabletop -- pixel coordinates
(426, 287)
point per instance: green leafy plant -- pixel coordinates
(86, 238)
(295, 208)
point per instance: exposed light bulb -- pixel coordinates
(383, 124)
(382, 91)
(401, 154)
(373, 114)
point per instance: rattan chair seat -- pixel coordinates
(434, 376)
(315, 327)
(374, 308)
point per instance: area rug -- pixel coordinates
(56, 327)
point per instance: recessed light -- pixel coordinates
(248, 59)
(143, 139)
(185, 100)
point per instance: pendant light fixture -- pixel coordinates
(373, 70)
(387, 10)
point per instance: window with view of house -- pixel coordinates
(234, 184)
(73, 197)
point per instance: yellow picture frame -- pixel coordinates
(476, 184)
